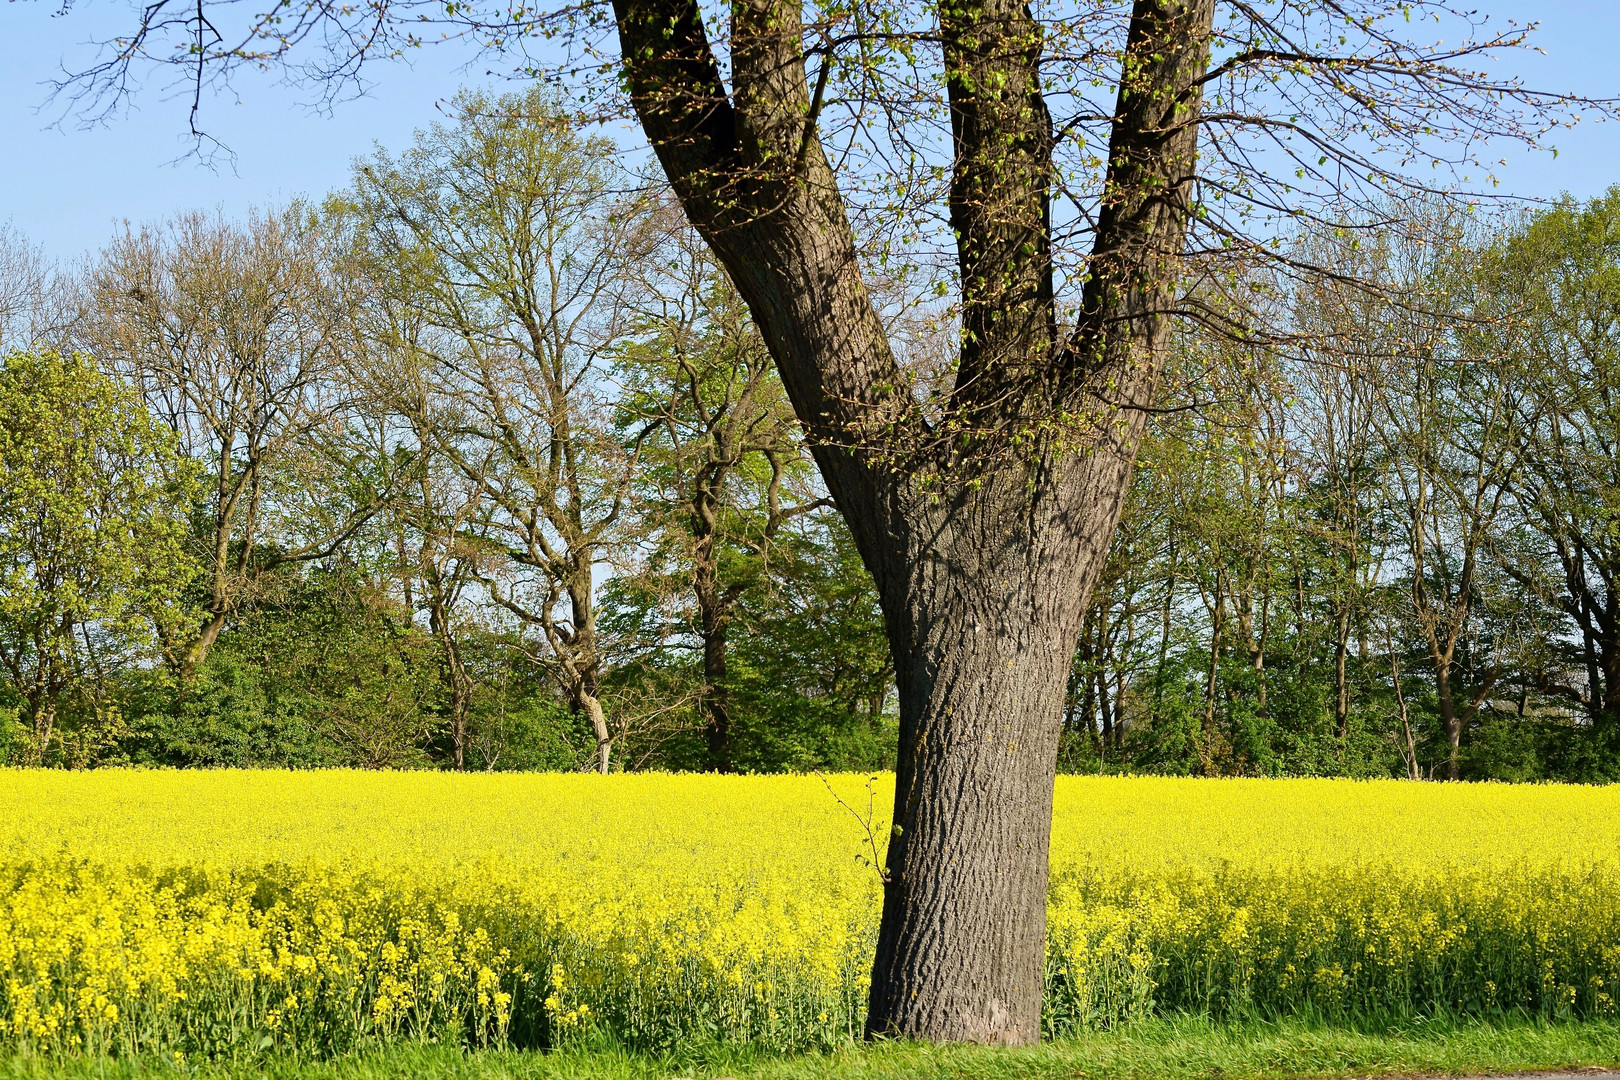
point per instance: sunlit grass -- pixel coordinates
(1173, 1049)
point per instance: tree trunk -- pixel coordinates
(716, 702)
(196, 650)
(985, 530)
(985, 632)
(714, 620)
(982, 658)
(1106, 740)
(1609, 666)
(1450, 721)
(1086, 710)
(1341, 679)
(456, 680)
(1409, 749)
(454, 675)
(229, 493)
(604, 738)
(1262, 684)
(42, 709)
(458, 727)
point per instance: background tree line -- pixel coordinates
(479, 463)
(1388, 547)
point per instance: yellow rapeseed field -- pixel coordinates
(228, 913)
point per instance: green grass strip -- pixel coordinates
(1167, 1049)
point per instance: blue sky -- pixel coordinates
(67, 189)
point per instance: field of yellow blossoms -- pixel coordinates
(229, 913)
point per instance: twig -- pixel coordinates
(866, 823)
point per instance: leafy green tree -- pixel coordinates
(93, 502)
(809, 677)
(723, 467)
(815, 679)
(1555, 281)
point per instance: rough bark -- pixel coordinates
(1341, 677)
(592, 707)
(1208, 751)
(983, 560)
(453, 670)
(716, 700)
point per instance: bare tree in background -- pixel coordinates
(1338, 432)
(236, 335)
(499, 244)
(440, 522)
(1452, 461)
(35, 302)
(1423, 428)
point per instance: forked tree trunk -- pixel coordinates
(985, 532)
(996, 580)
(982, 649)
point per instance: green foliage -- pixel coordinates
(808, 678)
(13, 736)
(233, 715)
(328, 672)
(1400, 564)
(1296, 568)
(812, 679)
(314, 673)
(93, 494)
(747, 597)
(534, 732)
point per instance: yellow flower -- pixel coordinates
(135, 904)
